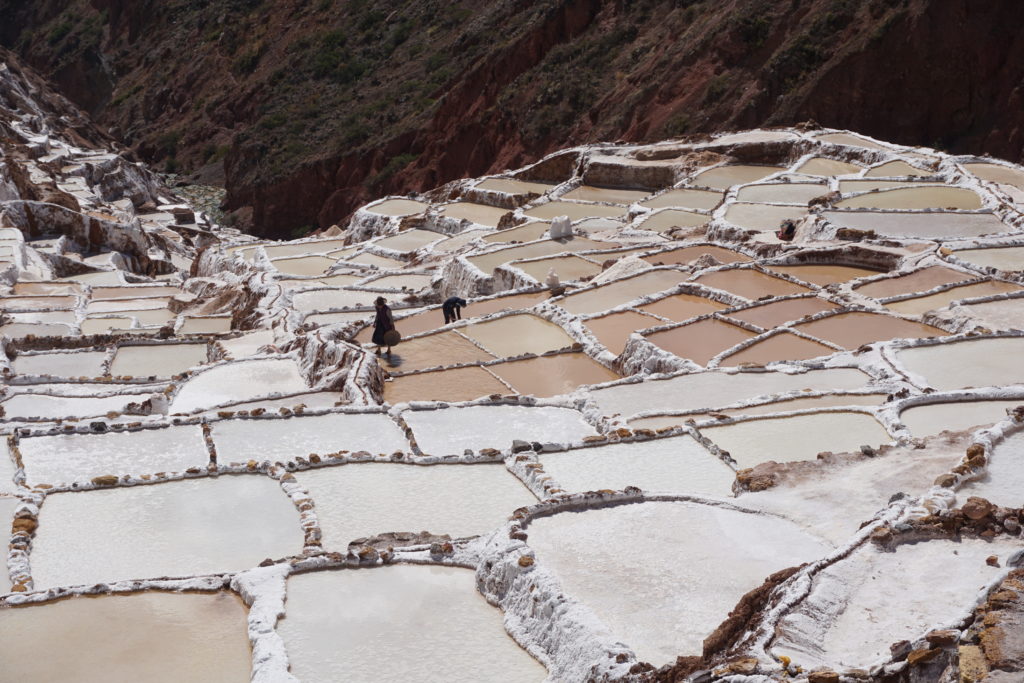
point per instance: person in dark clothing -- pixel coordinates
(452, 308)
(382, 324)
(786, 231)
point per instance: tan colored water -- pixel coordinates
(749, 283)
(517, 334)
(513, 186)
(999, 315)
(118, 305)
(931, 225)
(762, 216)
(588, 193)
(827, 167)
(28, 303)
(338, 280)
(930, 197)
(548, 376)
(893, 169)
(397, 207)
(152, 316)
(460, 384)
(413, 282)
(568, 268)
(300, 248)
(163, 360)
(444, 348)
(132, 292)
(207, 325)
(410, 240)
(304, 265)
(700, 341)
(831, 401)
(799, 437)
(825, 273)
(46, 288)
(854, 329)
(620, 292)
(998, 174)
(685, 255)
(923, 304)
(106, 325)
(153, 636)
(937, 417)
(80, 364)
(773, 314)
(575, 211)
(972, 363)
(782, 346)
(1007, 259)
(685, 198)
(849, 140)
(368, 259)
(680, 307)
(481, 214)
(339, 318)
(614, 330)
(917, 281)
(327, 299)
(860, 185)
(663, 221)
(781, 193)
(522, 233)
(460, 240)
(399, 623)
(724, 177)
(488, 262)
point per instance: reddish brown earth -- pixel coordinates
(307, 109)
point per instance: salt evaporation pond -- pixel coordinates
(163, 360)
(178, 528)
(517, 334)
(547, 376)
(860, 605)
(620, 292)
(824, 273)
(1009, 259)
(763, 216)
(784, 346)
(917, 281)
(452, 430)
(684, 198)
(522, 233)
(1003, 480)
(239, 381)
(781, 193)
(46, 407)
(481, 214)
(614, 330)
(363, 499)
(328, 299)
(954, 416)
(247, 344)
(686, 255)
(798, 437)
(749, 283)
(681, 586)
(702, 340)
(778, 312)
(680, 307)
(567, 268)
(410, 240)
(588, 193)
(672, 218)
(575, 210)
(724, 177)
(397, 207)
(513, 186)
(1007, 314)
(924, 224)
(241, 440)
(433, 350)
(153, 636)
(7, 470)
(856, 328)
(456, 384)
(924, 197)
(810, 403)
(821, 166)
(892, 169)
(672, 465)
(971, 363)
(399, 623)
(67, 458)
(923, 304)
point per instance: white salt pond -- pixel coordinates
(241, 440)
(1007, 314)
(922, 224)
(67, 458)
(820, 166)
(1003, 481)
(681, 585)
(328, 299)
(178, 528)
(798, 437)
(218, 324)
(480, 214)
(762, 216)
(248, 344)
(860, 605)
(673, 465)
(672, 218)
(399, 623)
(163, 360)
(238, 381)
(971, 363)
(80, 364)
(781, 193)
(34, 405)
(684, 198)
(7, 507)
(397, 207)
(452, 430)
(589, 193)
(923, 304)
(154, 636)
(7, 470)
(513, 186)
(1009, 259)
(575, 210)
(364, 499)
(724, 177)
(955, 416)
(620, 292)
(410, 240)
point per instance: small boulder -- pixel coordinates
(105, 480)
(977, 508)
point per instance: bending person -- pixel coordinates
(452, 308)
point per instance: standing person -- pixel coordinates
(382, 324)
(452, 308)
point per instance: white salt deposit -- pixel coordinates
(54, 407)
(971, 363)
(7, 469)
(165, 360)
(1003, 481)
(955, 416)
(238, 382)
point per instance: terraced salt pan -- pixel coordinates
(777, 312)
(63, 317)
(588, 193)
(674, 465)
(547, 376)
(893, 169)
(821, 166)
(81, 364)
(46, 288)
(923, 304)
(567, 268)
(749, 283)
(460, 240)
(1004, 175)
(680, 307)
(363, 499)
(481, 214)
(663, 221)
(397, 207)
(860, 605)
(368, 259)
(163, 360)
(304, 265)
(924, 225)
(955, 416)
(798, 437)
(410, 240)
(575, 211)
(133, 292)
(316, 400)
(818, 402)
(18, 330)
(248, 344)
(517, 334)
(7, 469)
(287, 439)
(685, 255)
(106, 325)
(615, 329)
(778, 347)
(702, 340)
(300, 248)
(1003, 481)
(340, 318)
(68, 458)
(856, 328)
(849, 140)
(491, 260)
(56, 407)
(327, 299)
(523, 233)
(918, 281)
(205, 325)
(451, 431)
(382, 624)
(1008, 259)
(152, 316)
(620, 292)
(177, 528)
(148, 636)
(824, 274)
(457, 384)
(867, 185)
(781, 193)
(709, 390)
(724, 177)
(432, 351)
(681, 585)
(513, 186)
(975, 362)
(238, 382)
(412, 282)
(930, 197)
(762, 216)
(37, 303)
(998, 315)
(685, 198)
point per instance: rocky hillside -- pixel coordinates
(305, 109)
